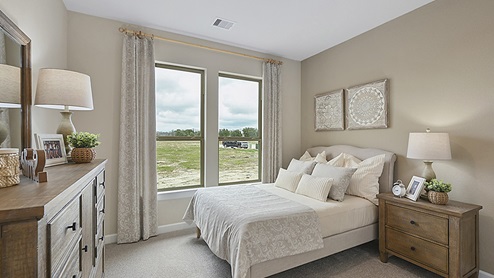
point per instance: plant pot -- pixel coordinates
(438, 198)
(83, 155)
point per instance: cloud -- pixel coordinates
(239, 102)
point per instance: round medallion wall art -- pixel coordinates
(367, 105)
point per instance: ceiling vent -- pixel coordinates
(222, 23)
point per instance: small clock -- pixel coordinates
(399, 189)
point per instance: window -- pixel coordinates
(179, 127)
(239, 134)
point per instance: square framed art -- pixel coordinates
(329, 111)
(367, 105)
(54, 147)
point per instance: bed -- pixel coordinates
(325, 227)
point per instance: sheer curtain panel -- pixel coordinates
(271, 150)
(137, 190)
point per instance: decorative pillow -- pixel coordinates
(288, 180)
(314, 187)
(365, 181)
(305, 167)
(320, 158)
(344, 160)
(341, 178)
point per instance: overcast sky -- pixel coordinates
(178, 101)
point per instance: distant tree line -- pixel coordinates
(249, 132)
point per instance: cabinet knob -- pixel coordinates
(412, 222)
(73, 226)
(84, 249)
(412, 248)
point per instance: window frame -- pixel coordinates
(200, 139)
(259, 127)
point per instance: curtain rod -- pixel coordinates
(142, 34)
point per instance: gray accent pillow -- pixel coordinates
(340, 175)
(301, 166)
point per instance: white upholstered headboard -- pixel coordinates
(385, 181)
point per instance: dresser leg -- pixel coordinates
(198, 232)
(383, 256)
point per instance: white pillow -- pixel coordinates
(314, 187)
(365, 181)
(341, 178)
(320, 158)
(288, 180)
(344, 160)
(301, 166)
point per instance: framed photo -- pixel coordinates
(367, 105)
(415, 188)
(54, 147)
(329, 109)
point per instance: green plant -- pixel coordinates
(83, 140)
(438, 186)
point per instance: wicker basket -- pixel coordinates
(83, 155)
(438, 198)
(9, 167)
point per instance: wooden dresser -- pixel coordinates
(441, 238)
(56, 228)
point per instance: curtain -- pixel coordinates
(271, 151)
(4, 112)
(137, 181)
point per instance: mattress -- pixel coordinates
(335, 217)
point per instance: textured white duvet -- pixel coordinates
(335, 217)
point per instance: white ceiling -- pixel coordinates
(294, 29)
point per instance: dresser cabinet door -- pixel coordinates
(87, 243)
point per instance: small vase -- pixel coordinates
(83, 155)
(438, 198)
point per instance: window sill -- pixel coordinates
(176, 194)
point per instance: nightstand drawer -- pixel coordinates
(422, 224)
(422, 251)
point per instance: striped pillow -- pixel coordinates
(305, 167)
(365, 181)
(288, 180)
(314, 187)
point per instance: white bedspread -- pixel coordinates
(246, 225)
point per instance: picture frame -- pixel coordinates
(329, 111)
(366, 105)
(414, 188)
(54, 147)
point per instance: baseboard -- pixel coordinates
(483, 274)
(109, 239)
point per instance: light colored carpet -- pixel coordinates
(181, 255)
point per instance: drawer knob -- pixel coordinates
(102, 238)
(412, 222)
(412, 248)
(73, 226)
(102, 211)
(84, 249)
(102, 184)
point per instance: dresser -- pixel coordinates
(441, 238)
(56, 228)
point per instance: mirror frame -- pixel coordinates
(26, 87)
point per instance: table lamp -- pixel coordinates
(67, 90)
(428, 146)
(10, 93)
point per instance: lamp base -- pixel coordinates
(66, 128)
(428, 173)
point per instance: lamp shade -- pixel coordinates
(10, 86)
(58, 89)
(429, 146)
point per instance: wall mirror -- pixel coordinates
(15, 85)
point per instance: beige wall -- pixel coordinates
(45, 23)
(95, 47)
(440, 63)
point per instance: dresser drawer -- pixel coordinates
(100, 184)
(100, 211)
(64, 232)
(99, 240)
(71, 267)
(422, 224)
(422, 251)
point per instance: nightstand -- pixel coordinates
(440, 238)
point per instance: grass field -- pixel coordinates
(178, 164)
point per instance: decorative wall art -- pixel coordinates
(329, 109)
(367, 105)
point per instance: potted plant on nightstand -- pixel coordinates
(83, 144)
(438, 191)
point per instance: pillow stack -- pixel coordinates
(313, 176)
